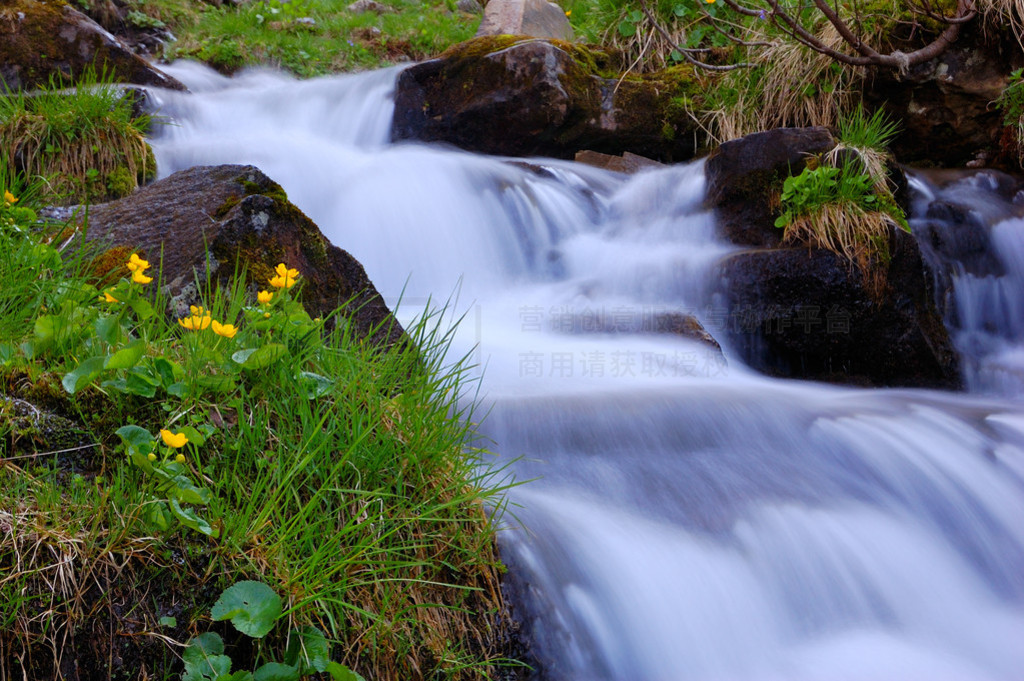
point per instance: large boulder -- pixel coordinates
(209, 221)
(809, 313)
(40, 41)
(518, 96)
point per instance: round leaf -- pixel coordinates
(252, 607)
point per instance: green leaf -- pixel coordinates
(166, 370)
(252, 607)
(217, 383)
(188, 518)
(275, 671)
(260, 357)
(205, 659)
(142, 308)
(83, 375)
(237, 676)
(126, 357)
(187, 493)
(308, 650)
(108, 329)
(340, 672)
(167, 622)
(135, 436)
(627, 29)
(139, 385)
(314, 385)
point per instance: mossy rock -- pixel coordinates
(520, 96)
(41, 42)
(205, 223)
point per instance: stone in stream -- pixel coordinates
(804, 312)
(517, 96)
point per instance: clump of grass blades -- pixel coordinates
(86, 141)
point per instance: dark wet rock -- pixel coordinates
(517, 96)
(36, 432)
(40, 41)
(534, 18)
(809, 313)
(945, 105)
(742, 175)
(626, 163)
(802, 313)
(364, 6)
(469, 6)
(208, 220)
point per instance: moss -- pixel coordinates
(120, 182)
(226, 207)
(109, 266)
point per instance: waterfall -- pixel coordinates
(685, 518)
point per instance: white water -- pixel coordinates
(689, 519)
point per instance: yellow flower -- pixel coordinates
(175, 440)
(195, 322)
(9, 197)
(180, 458)
(264, 297)
(266, 315)
(139, 278)
(285, 277)
(196, 310)
(568, 12)
(226, 330)
(137, 264)
(107, 298)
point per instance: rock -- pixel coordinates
(741, 172)
(627, 163)
(945, 105)
(517, 96)
(808, 313)
(241, 218)
(33, 430)
(40, 41)
(469, 6)
(534, 18)
(363, 6)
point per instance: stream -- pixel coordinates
(685, 517)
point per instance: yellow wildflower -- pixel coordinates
(266, 315)
(180, 458)
(285, 277)
(139, 278)
(137, 264)
(195, 322)
(226, 330)
(568, 12)
(197, 310)
(264, 297)
(175, 440)
(10, 198)
(107, 298)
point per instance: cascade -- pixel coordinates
(685, 518)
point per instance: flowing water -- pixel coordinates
(686, 518)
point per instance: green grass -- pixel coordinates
(339, 474)
(271, 33)
(88, 144)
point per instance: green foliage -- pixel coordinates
(254, 608)
(295, 454)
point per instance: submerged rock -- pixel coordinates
(809, 313)
(208, 221)
(40, 41)
(518, 96)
